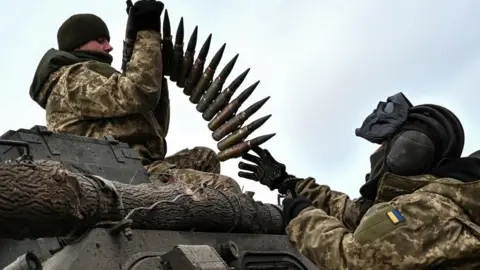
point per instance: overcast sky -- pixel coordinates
(325, 65)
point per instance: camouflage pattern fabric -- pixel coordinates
(334, 203)
(92, 99)
(196, 167)
(416, 223)
(199, 158)
(196, 179)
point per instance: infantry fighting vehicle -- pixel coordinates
(100, 248)
(148, 249)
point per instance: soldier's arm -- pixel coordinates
(389, 237)
(271, 173)
(93, 92)
(333, 203)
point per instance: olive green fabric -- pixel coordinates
(376, 224)
(80, 29)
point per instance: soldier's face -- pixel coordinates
(99, 45)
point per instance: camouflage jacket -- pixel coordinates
(415, 223)
(334, 203)
(91, 98)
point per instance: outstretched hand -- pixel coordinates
(265, 169)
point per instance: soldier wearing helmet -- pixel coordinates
(419, 206)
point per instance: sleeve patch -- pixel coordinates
(380, 220)
(395, 216)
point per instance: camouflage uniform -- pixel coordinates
(189, 166)
(334, 203)
(92, 99)
(416, 223)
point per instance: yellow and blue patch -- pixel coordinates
(395, 216)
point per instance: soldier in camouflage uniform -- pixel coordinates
(425, 212)
(84, 95)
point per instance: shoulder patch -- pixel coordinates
(395, 216)
(380, 220)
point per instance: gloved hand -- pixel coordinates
(146, 15)
(293, 206)
(267, 171)
(129, 5)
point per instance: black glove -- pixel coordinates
(293, 206)
(129, 5)
(146, 15)
(267, 171)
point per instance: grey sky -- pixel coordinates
(325, 64)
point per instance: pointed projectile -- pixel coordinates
(167, 45)
(239, 135)
(222, 100)
(197, 68)
(216, 87)
(207, 76)
(186, 66)
(231, 108)
(239, 150)
(238, 120)
(176, 63)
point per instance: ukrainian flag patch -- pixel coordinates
(395, 216)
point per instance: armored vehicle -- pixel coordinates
(147, 249)
(103, 247)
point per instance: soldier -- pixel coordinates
(273, 174)
(84, 95)
(425, 210)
